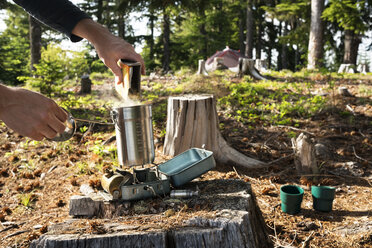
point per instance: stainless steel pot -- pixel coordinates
(134, 135)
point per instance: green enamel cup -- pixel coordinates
(323, 197)
(291, 197)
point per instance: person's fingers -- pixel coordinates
(61, 114)
(116, 70)
(37, 136)
(48, 132)
(57, 125)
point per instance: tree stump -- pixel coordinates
(305, 157)
(192, 121)
(201, 68)
(236, 222)
(346, 68)
(86, 85)
(247, 67)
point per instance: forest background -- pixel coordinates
(179, 33)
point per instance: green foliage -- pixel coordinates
(26, 199)
(256, 103)
(350, 14)
(14, 47)
(49, 72)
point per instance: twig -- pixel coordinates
(362, 133)
(296, 129)
(237, 173)
(8, 228)
(282, 158)
(271, 137)
(307, 240)
(356, 155)
(51, 169)
(348, 107)
(15, 234)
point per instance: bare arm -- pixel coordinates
(109, 47)
(30, 114)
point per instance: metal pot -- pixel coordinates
(134, 135)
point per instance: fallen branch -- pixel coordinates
(296, 129)
(356, 155)
(237, 173)
(307, 240)
(15, 234)
(8, 228)
(282, 158)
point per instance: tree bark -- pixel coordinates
(315, 55)
(305, 158)
(35, 41)
(152, 27)
(166, 41)
(241, 32)
(238, 223)
(352, 42)
(284, 52)
(192, 121)
(249, 33)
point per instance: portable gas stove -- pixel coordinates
(135, 145)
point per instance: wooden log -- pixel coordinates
(237, 222)
(192, 121)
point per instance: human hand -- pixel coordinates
(109, 48)
(31, 114)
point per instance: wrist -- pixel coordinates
(91, 30)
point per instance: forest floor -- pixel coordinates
(37, 179)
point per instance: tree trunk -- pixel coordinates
(241, 32)
(352, 42)
(315, 54)
(121, 26)
(166, 41)
(247, 67)
(203, 33)
(284, 53)
(192, 121)
(99, 11)
(249, 33)
(152, 27)
(35, 41)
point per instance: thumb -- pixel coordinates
(117, 72)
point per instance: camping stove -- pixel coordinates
(141, 184)
(135, 145)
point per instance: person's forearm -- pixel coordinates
(61, 15)
(92, 31)
(5, 97)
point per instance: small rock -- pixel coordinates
(344, 91)
(37, 226)
(322, 151)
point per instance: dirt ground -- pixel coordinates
(37, 179)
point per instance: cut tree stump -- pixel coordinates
(236, 222)
(201, 68)
(192, 121)
(305, 156)
(86, 85)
